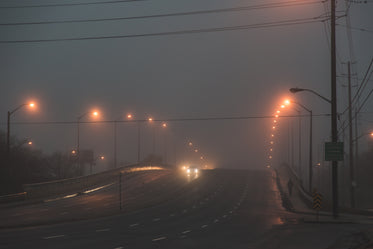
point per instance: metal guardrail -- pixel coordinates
(13, 197)
(79, 184)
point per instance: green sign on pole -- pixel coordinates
(334, 151)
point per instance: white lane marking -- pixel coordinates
(216, 220)
(156, 219)
(194, 206)
(54, 237)
(225, 216)
(204, 226)
(103, 230)
(172, 215)
(230, 211)
(63, 213)
(160, 238)
(184, 211)
(121, 247)
(95, 189)
(135, 224)
(186, 231)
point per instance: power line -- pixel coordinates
(166, 120)
(68, 4)
(180, 32)
(221, 10)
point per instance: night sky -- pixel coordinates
(231, 73)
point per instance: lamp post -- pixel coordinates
(310, 146)
(333, 103)
(94, 162)
(32, 105)
(94, 113)
(164, 126)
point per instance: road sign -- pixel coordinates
(317, 199)
(334, 151)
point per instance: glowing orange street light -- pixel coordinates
(371, 134)
(31, 105)
(196, 150)
(129, 116)
(270, 157)
(164, 125)
(29, 143)
(287, 102)
(282, 106)
(150, 119)
(190, 144)
(270, 149)
(102, 157)
(278, 111)
(275, 121)
(272, 135)
(273, 127)
(271, 142)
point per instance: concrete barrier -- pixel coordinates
(80, 184)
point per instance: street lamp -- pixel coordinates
(31, 105)
(93, 113)
(164, 125)
(333, 104)
(94, 162)
(310, 146)
(296, 90)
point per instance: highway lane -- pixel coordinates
(219, 209)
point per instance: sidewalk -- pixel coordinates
(300, 203)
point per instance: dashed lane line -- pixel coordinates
(160, 238)
(204, 226)
(54, 237)
(186, 231)
(103, 230)
(156, 219)
(135, 224)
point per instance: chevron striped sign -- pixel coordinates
(317, 200)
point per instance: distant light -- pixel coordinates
(196, 150)
(271, 149)
(276, 116)
(73, 152)
(201, 157)
(270, 157)
(102, 157)
(273, 127)
(95, 113)
(272, 135)
(129, 116)
(287, 102)
(32, 105)
(275, 121)
(190, 144)
(282, 106)
(29, 143)
(278, 111)
(164, 125)
(271, 142)
(150, 119)
(371, 134)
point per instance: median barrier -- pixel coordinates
(79, 184)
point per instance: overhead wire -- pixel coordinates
(68, 4)
(198, 12)
(179, 32)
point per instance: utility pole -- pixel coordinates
(351, 152)
(334, 107)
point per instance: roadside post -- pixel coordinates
(317, 200)
(120, 190)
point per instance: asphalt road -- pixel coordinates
(217, 209)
